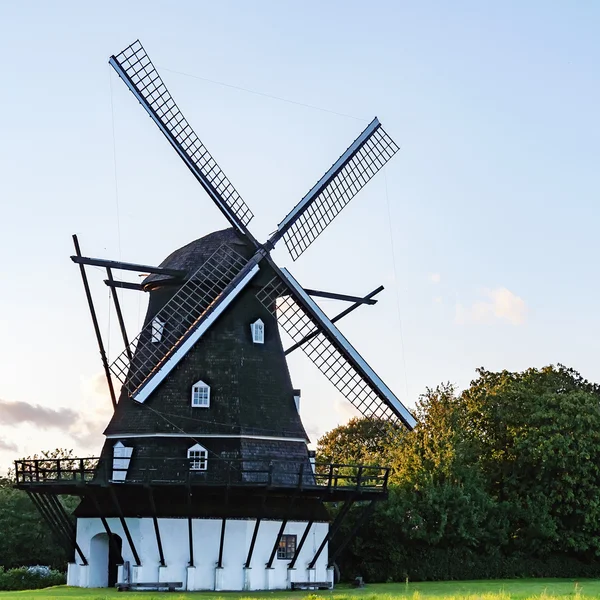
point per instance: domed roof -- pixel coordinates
(192, 256)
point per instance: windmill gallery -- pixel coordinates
(205, 480)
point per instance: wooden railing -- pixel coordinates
(219, 471)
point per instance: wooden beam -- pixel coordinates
(124, 266)
(311, 335)
(332, 530)
(299, 546)
(190, 528)
(252, 543)
(125, 285)
(111, 540)
(156, 528)
(124, 525)
(367, 512)
(344, 297)
(276, 545)
(88, 295)
(115, 298)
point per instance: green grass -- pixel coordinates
(509, 589)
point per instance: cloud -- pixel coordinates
(501, 304)
(435, 277)
(81, 428)
(8, 446)
(17, 413)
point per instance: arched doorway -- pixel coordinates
(104, 560)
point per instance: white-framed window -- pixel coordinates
(157, 330)
(201, 395)
(258, 332)
(198, 456)
(121, 458)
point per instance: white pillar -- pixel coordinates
(218, 579)
(290, 578)
(330, 576)
(269, 575)
(190, 583)
(247, 579)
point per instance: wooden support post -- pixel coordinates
(115, 298)
(253, 541)
(111, 539)
(115, 500)
(345, 312)
(221, 544)
(367, 512)
(61, 517)
(70, 527)
(190, 531)
(88, 295)
(332, 530)
(276, 545)
(156, 529)
(299, 546)
(59, 534)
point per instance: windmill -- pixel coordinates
(205, 470)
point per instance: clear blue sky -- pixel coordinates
(486, 239)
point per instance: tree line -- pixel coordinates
(499, 480)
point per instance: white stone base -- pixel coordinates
(204, 574)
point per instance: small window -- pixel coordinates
(198, 458)
(287, 547)
(258, 332)
(121, 458)
(201, 395)
(157, 330)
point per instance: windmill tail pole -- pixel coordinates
(88, 295)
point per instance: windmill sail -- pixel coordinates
(139, 74)
(300, 317)
(181, 321)
(352, 171)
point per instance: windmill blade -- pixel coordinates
(165, 340)
(363, 159)
(300, 317)
(139, 74)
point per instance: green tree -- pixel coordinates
(537, 438)
(25, 537)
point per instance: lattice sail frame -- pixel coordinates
(326, 353)
(355, 168)
(144, 81)
(181, 314)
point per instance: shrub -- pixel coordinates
(30, 578)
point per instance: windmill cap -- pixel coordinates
(192, 256)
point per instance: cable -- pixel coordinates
(389, 211)
(196, 420)
(264, 95)
(181, 430)
(112, 112)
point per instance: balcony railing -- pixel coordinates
(218, 472)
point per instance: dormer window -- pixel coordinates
(157, 330)
(201, 395)
(198, 456)
(258, 332)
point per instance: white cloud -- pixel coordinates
(435, 277)
(28, 429)
(500, 304)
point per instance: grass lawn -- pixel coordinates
(498, 589)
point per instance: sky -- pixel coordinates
(483, 228)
